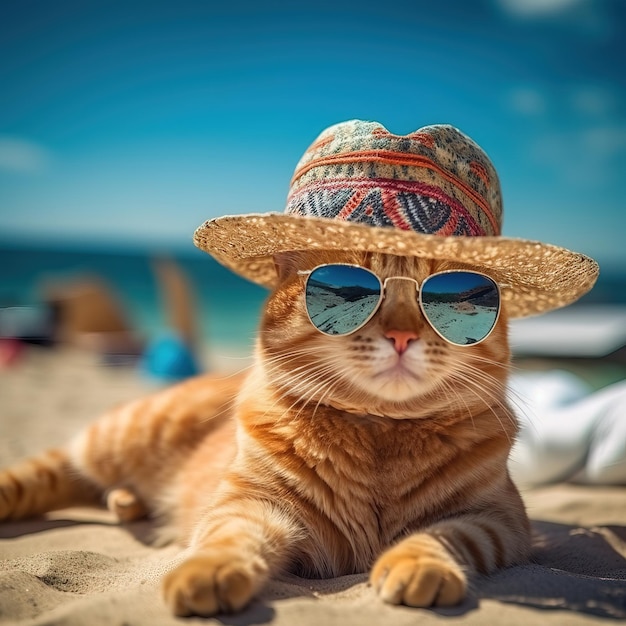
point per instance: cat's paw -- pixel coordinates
(207, 584)
(125, 504)
(419, 572)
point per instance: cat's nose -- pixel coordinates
(401, 339)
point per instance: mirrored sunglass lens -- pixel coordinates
(462, 306)
(339, 298)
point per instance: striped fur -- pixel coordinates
(331, 456)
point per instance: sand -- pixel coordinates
(79, 567)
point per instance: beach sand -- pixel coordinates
(79, 567)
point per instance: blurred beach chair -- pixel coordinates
(88, 314)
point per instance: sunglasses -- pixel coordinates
(461, 306)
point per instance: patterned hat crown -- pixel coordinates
(434, 181)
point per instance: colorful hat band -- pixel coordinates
(406, 205)
(393, 158)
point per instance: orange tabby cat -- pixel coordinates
(383, 451)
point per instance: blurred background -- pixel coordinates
(125, 125)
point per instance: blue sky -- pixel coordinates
(132, 122)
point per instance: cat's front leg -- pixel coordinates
(430, 568)
(214, 581)
(419, 572)
(233, 554)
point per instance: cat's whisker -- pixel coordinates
(483, 382)
(293, 375)
(497, 386)
(461, 362)
(513, 396)
(228, 408)
(324, 376)
(307, 393)
(290, 352)
(278, 362)
(323, 396)
(488, 361)
(310, 356)
(304, 400)
(446, 385)
(480, 391)
(287, 357)
(305, 387)
(323, 389)
(290, 369)
(481, 373)
(522, 405)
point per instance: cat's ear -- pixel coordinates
(286, 264)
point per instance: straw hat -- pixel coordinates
(433, 193)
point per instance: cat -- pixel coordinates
(384, 451)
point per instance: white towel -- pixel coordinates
(568, 433)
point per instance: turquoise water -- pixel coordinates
(227, 306)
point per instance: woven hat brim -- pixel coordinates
(534, 277)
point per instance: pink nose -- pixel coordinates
(401, 339)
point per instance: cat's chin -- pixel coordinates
(395, 384)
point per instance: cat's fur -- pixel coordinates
(331, 456)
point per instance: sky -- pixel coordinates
(130, 123)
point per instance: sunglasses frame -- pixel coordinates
(418, 289)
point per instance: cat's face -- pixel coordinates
(366, 371)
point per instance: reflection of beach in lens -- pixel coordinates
(335, 315)
(461, 306)
(461, 327)
(339, 298)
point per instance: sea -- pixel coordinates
(227, 307)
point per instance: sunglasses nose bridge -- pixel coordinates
(406, 278)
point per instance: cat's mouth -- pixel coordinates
(400, 370)
(399, 381)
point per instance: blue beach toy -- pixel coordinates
(169, 359)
